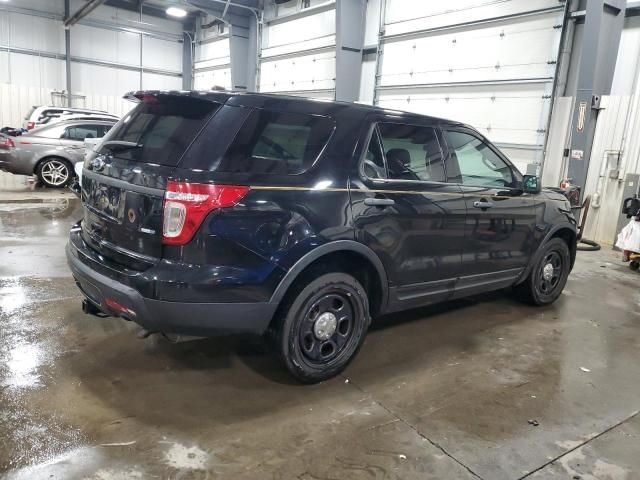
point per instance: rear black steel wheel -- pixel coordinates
(323, 327)
(549, 274)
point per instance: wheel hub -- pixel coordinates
(547, 272)
(325, 326)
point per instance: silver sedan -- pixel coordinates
(51, 152)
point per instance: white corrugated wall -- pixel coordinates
(35, 28)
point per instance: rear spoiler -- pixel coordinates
(147, 95)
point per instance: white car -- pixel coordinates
(40, 116)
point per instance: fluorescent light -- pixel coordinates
(176, 12)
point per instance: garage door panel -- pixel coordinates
(526, 49)
(511, 115)
(404, 16)
(305, 72)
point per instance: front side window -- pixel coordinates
(412, 152)
(474, 163)
(276, 143)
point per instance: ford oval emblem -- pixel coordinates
(97, 163)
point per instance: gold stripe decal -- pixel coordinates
(362, 190)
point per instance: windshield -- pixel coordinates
(158, 130)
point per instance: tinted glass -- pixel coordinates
(162, 128)
(474, 163)
(80, 132)
(412, 152)
(276, 143)
(373, 164)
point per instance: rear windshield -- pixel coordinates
(158, 130)
(276, 143)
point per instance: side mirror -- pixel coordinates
(531, 184)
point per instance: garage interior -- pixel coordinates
(481, 388)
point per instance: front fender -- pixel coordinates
(548, 236)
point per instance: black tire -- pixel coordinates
(308, 316)
(541, 289)
(634, 265)
(55, 172)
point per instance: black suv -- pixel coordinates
(213, 212)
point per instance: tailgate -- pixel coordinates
(124, 182)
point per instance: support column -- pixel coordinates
(67, 51)
(604, 20)
(350, 24)
(243, 46)
(187, 62)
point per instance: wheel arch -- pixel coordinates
(564, 231)
(363, 263)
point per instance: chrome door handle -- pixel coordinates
(379, 202)
(483, 204)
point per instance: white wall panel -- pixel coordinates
(161, 54)
(105, 45)
(94, 79)
(154, 81)
(35, 71)
(17, 100)
(30, 32)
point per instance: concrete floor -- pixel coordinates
(483, 388)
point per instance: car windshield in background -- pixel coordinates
(159, 130)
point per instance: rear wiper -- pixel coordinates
(119, 145)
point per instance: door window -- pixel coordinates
(373, 164)
(80, 132)
(472, 162)
(412, 152)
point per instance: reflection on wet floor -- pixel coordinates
(480, 388)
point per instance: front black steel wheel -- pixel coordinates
(549, 274)
(323, 327)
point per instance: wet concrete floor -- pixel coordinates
(482, 388)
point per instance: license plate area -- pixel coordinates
(106, 201)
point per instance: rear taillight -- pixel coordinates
(187, 204)
(31, 125)
(7, 144)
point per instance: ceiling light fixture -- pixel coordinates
(176, 12)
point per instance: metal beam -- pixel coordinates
(603, 24)
(82, 12)
(88, 61)
(350, 24)
(187, 62)
(67, 49)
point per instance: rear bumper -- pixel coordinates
(114, 298)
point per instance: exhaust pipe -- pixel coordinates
(90, 309)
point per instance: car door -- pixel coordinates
(405, 211)
(72, 139)
(500, 221)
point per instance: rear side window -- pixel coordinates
(80, 132)
(158, 130)
(276, 143)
